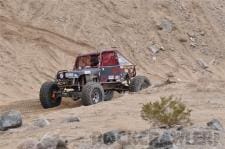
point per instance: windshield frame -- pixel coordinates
(88, 58)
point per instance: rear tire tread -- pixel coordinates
(137, 83)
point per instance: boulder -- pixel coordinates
(215, 124)
(52, 141)
(41, 122)
(165, 141)
(10, 119)
(112, 136)
(166, 25)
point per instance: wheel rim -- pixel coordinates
(53, 95)
(95, 96)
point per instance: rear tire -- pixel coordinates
(92, 93)
(108, 95)
(139, 83)
(48, 98)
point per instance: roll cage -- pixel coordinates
(106, 58)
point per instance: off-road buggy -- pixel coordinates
(94, 78)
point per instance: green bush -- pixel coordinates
(169, 111)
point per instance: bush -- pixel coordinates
(169, 111)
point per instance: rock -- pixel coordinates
(162, 48)
(191, 34)
(193, 39)
(190, 141)
(215, 124)
(28, 144)
(183, 39)
(212, 62)
(202, 64)
(193, 44)
(166, 25)
(170, 75)
(180, 127)
(41, 122)
(112, 136)
(170, 81)
(164, 141)
(202, 33)
(72, 119)
(48, 141)
(154, 49)
(10, 119)
(52, 141)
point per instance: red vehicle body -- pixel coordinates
(94, 78)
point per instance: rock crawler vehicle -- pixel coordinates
(94, 78)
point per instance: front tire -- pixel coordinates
(139, 83)
(92, 93)
(48, 95)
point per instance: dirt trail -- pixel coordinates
(33, 107)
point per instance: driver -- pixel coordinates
(94, 61)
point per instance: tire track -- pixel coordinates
(33, 108)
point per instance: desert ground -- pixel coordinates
(183, 40)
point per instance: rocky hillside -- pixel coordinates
(39, 37)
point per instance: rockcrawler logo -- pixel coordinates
(159, 138)
(197, 137)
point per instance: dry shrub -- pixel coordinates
(168, 111)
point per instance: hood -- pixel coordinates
(77, 73)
